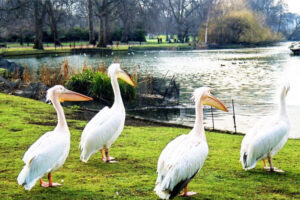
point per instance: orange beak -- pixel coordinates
(69, 95)
(125, 77)
(213, 101)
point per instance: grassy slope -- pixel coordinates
(22, 121)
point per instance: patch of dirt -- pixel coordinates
(73, 125)
(137, 122)
(15, 129)
(48, 123)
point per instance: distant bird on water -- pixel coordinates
(267, 137)
(183, 157)
(106, 126)
(50, 151)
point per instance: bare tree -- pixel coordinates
(104, 10)
(182, 11)
(127, 12)
(39, 9)
(91, 22)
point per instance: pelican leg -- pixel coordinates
(186, 193)
(103, 155)
(272, 168)
(108, 158)
(265, 165)
(50, 184)
(43, 184)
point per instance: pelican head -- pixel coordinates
(203, 94)
(115, 69)
(63, 94)
(285, 88)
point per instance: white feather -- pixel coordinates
(50, 151)
(96, 121)
(180, 160)
(267, 137)
(46, 155)
(30, 153)
(104, 128)
(102, 133)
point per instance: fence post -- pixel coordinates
(234, 122)
(212, 118)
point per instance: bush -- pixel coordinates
(97, 85)
(75, 34)
(81, 82)
(139, 35)
(238, 27)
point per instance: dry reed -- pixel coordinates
(27, 75)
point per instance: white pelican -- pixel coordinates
(267, 137)
(106, 126)
(183, 157)
(50, 151)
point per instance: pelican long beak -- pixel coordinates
(122, 75)
(69, 95)
(210, 100)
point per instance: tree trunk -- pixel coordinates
(108, 38)
(206, 28)
(167, 32)
(39, 15)
(101, 33)
(125, 31)
(91, 24)
(180, 33)
(279, 24)
(21, 38)
(53, 23)
(38, 40)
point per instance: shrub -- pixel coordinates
(97, 85)
(81, 82)
(139, 35)
(238, 27)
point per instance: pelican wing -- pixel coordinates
(48, 156)
(179, 162)
(101, 133)
(29, 154)
(95, 122)
(271, 136)
(252, 134)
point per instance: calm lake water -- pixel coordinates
(250, 76)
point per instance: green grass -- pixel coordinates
(17, 50)
(29, 51)
(22, 121)
(16, 44)
(162, 46)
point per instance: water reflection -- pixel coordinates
(250, 76)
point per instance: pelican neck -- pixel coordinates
(116, 88)
(61, 119)
(198, 126)
(282, 109)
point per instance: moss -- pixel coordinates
(137, 150)
(4, 72)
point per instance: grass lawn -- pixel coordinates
(22, 121)
(15, 50)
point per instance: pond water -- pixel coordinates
(250, 76)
